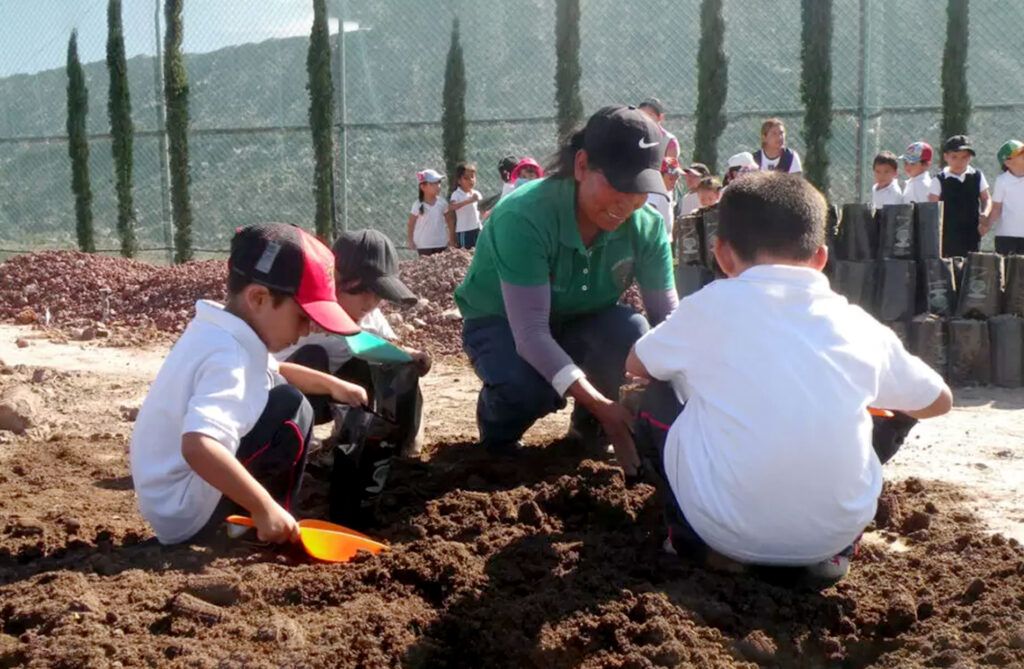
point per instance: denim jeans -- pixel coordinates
(515, 395)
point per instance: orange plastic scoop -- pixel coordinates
(881, 413)
(325, 544)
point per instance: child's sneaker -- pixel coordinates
(836, 567)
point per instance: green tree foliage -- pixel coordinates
(956, 103)
(78, 147)
(321, 120)
(453, 106)
(712, 84)
(567, 70)
(119, 111)
(176, 101)
(816, 88)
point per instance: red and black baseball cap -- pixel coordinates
(289, 260)
(627, 147)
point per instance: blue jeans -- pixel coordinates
(514, 395)
(467, 239)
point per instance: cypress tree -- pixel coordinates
(176, 101)
(956, 103)
(453, 106)
(569, 106)
(712, 84)
(321, 120)
(119, 111)
(816, 87)
(78, 147)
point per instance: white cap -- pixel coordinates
(743, 159)
(429, 176)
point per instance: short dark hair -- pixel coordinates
(710, 183)
(886, 158)
(770, 212)
(237, 283)
(654, 104)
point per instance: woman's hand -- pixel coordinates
(617, 422)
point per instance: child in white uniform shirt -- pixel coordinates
(220, 431)
(917, 160)
(464, 206)
(771, 460)
(1007, 214)
(886, 189)
(428, 230)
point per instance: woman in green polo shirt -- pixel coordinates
(540, 300)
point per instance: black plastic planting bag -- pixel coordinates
(897, 289)
(937, 287)
(970, 361)
(897, 231)
(1014, 286)
(688, 241)
(856, 282)
(980, 292)
(1006, 334)
(928, 341)
(691, 278)
(367, 439)
(928, 229)
(858, 233)
(710, 229)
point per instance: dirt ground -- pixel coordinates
(545, 560)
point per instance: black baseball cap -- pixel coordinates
(369, 257)
(289, 260)
(627, 147)
(958, 143)
(654, 103)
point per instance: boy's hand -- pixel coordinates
(422, 361)
(984, 225)
(345, 392)
(275, 525)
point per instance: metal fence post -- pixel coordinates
(339, 58)
(862, 116)
(161, 134)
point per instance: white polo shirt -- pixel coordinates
(772, 163)
(466, 218)
(690, 203)
(936, 186)
(338, 352)
(1009, 190)
(771, 459)
(215, 381)
(430, 231)
(917, 188)
(891, 194)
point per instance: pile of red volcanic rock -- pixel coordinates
(84, 295)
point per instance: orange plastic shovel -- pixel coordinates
(324, 543)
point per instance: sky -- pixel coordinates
(34, 33)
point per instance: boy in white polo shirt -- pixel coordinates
(221, 431)
(1007, 214)
(771, 460)
(917, 160)
(886, 189)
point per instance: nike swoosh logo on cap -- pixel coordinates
(644, 145)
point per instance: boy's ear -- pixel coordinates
(727, 259)
(254, 295)
(820, 258)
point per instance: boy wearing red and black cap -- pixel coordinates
(224, 428)
(917, 160)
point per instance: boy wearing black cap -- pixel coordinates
(964, 191)
(224, 428)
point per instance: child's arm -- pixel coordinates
(312, 382)
(409, 228)
(455, 206)
(449, 220)
(994, 214)
(932, 197)
(219, 467)
(636, 368)
(986, 203)
(942, 405)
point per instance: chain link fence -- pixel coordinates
(250, 146)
